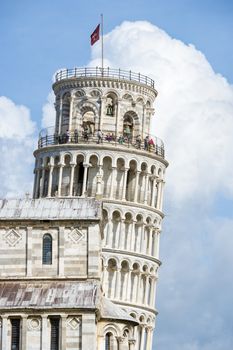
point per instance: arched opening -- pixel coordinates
(55, 177)
(65, 113)
(119, 178)
(112, 265)
(46, 177)
(116, 222)
(88, 122)
(47, 249)
(111, 105)
(78, 176)
(142, 183)
(108, 341)
(124, 274)
(127, 238)
(138, 233)
(107, 171)
(128, 127)
(92, 176)
(65, 184)
(130, 182)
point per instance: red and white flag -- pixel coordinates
(95, 35)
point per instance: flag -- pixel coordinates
(95, 35)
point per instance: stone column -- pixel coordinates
(63, 332)
(72, 178)
(113, 177)
(45, 335)
(61, 166)
(142, 337)
(153, 192)
(118, 283)
(158, 194)
(136, 186)
(129, 286)
(24, 332)
(146, 188)
(157, 244)
(132, 236)
(85, 165)
(124, 185)
(50, 180)
(145, 301)
(132, 343)
(5, 333)
(143, 241)
(114, 286)
(150, 241)
(42, 182)
(104, 279)
(149, 338)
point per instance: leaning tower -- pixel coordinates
(102, 147)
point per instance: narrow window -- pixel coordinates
(108, 341)
(54, 333)
(15, 334)
(47, 250)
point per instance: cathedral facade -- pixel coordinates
(79, 260)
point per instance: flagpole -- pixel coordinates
(102, 44)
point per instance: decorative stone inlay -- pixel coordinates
(12, 237)
(73, 322)
(75, 235)
(34, 323)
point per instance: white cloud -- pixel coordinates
(194, 108)
(16, 144)
(48, 111)
(194, 117)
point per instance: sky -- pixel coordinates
(185, 46)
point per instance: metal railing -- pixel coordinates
(104, 73)
(149, 143)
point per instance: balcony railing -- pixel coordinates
(149, 143)
(104, 73)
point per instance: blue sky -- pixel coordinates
(38, 37)
(194, 116)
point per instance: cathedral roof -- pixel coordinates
(50, 209)
(47, 295)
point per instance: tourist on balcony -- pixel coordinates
(151, 144)
(121, 140)
(99, 136)
(138, 141)
(146, 143)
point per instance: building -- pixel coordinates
(79, 261)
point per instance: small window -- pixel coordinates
(47, 250)
(54, 345)
(15, 334)
(108, 341)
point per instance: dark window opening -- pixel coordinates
(54, 333)
(47, 250)
(15, 334)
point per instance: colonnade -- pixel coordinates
(129, 284)
(77, 175)
(134, 235)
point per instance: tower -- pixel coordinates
(89, 238)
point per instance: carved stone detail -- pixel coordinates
(73, 322)
(75, 235)
(12, 237)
